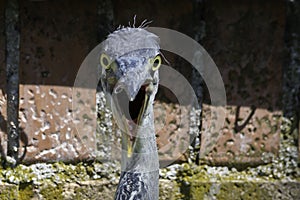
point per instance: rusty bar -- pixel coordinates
(12, 35)
(292, 69)
(105, 138)
(291, 88)
(105, 18)
(198, 85)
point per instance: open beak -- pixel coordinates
(137, 110)
(132, 100)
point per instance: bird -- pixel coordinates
(130, 60)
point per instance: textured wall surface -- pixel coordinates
(247, 138)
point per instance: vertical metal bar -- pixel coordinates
(291, 88)
(292, 70)
(104, 135)
(197, 84)
(105, 18)
(12, 34)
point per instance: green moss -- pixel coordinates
(242, 190)
(8, 192)
(199, 191)
(189, 181)
(247, 190)
(25, 192)
(79, 192)
(52, 192)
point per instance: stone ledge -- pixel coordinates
(45, 181)
(171, 190)
(236, 190)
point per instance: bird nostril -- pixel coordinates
(118, 89)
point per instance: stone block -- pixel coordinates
(245, 190)
(48, 132)
(248, 137)
(171, 190)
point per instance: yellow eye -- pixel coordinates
(156, 63)
(105, 61)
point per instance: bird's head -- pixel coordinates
(130, 62)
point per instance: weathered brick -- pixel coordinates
(247, 137)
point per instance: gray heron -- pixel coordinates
(129, 61)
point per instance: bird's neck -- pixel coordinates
(144, 156)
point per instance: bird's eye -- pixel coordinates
(105, 61)
(156, 63)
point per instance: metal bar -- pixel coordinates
(105, 18)
(291, 88)
(104, 135)
(198, 86)
(292, 69)
(12, 34)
